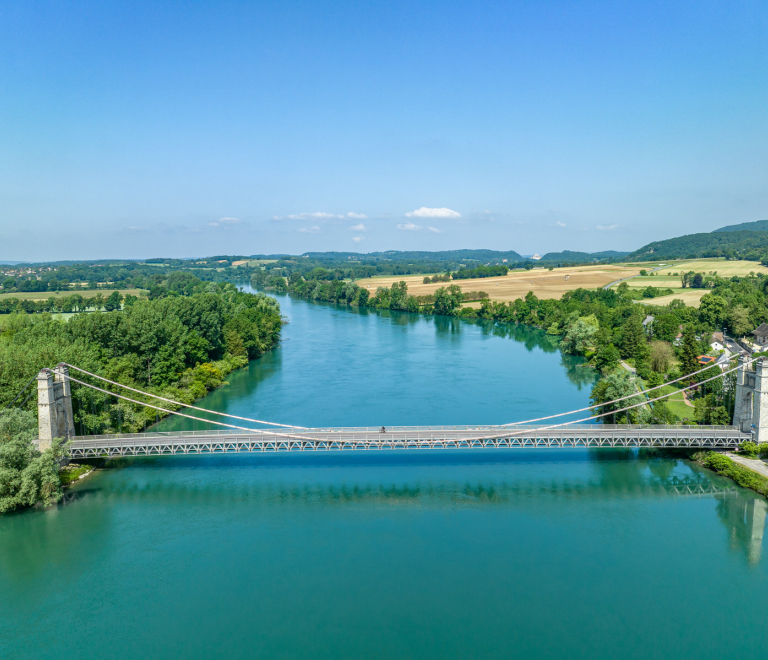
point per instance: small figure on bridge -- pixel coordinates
(383, 430)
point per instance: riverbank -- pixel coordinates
(735, 468)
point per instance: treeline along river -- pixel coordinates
(508, 554)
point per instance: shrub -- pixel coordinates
(749, 449)
(741, 475)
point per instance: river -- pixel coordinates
(429, 554)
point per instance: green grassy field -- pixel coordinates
(85, 293)
(675, 403)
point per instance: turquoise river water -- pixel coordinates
(420, 554)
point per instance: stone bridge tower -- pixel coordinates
(750, 411)
(54, 406)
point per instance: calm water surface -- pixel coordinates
(442, 554)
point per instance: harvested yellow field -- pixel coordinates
(85, 293)
(723, 267)
(543, 282)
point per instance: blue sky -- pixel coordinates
(195, 128)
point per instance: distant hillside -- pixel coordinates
(480, 257)
(734, 244)
(450, 256)
(582, 257)
(759, 225)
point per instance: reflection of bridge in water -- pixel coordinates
(742, 512)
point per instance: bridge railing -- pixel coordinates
(397, 430)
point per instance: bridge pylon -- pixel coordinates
(750, 410)
(54, 406)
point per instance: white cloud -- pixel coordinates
(357, 216)
(409, 226)
(310, 230)
(560, 224)
(606, 227)
(360, 227)
(357, 239)
(435, 229)
(224, 221)
(425, 212)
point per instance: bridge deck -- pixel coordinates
(407, 437)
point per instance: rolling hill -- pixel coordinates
(745, 241)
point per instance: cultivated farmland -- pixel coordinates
(544, 283)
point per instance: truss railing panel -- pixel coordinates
(407, 438)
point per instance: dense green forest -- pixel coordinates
(569, 257)
(480, 271)
(112, 275)
(732, 243)
(178, 345)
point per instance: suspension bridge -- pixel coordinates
(243, 434)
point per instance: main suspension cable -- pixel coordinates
(629, 396)
(23, 389)
(186, 405)
(611, 412)
(176, 412)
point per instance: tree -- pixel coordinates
(642, 357)
(114, 302)
(739, 321)
(712, 309)
(658, 414)
(661, 356)
(398, 296)
(689, 360)
(580, 335)
(632, 337)
(607, 358)
(447, 300)
(27, 476)
(698, 281)
(615, 386)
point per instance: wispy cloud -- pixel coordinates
(225, 222)
(435, 229)
(316, 215)
(360, 227)
(357, 216)
(310, 230)
(409, 226)
(560, 224)
(425, 212)
(606, 227)
(357, 239)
